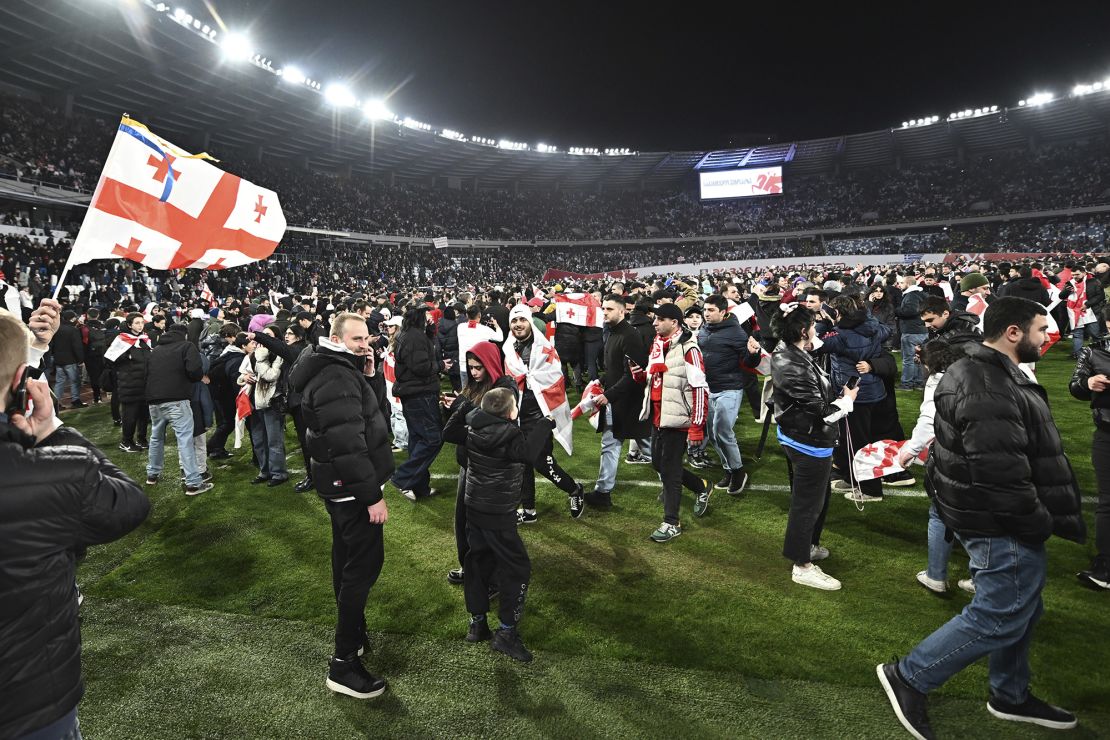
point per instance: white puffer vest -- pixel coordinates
(678, 395)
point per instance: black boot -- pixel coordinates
(348, 676)
(507, 640)
(304, 485)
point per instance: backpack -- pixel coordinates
(98, 340)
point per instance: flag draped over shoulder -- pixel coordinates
(165, 208)
(122, 343)
(544, 378)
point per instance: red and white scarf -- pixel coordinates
(122, 343)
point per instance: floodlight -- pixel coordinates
(1041, 98)
(188, 18)
(994, 109)
(1097, 86)
(161, 7)
(340, 95)
(293, 75)
(236, 47)
(205, 29)
(1021, 103)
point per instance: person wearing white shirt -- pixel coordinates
(473, 331)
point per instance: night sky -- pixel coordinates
(680, 76)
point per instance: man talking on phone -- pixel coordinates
(59, 494)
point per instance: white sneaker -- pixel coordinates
(409, 494)
(814, 577)
(816, 552)
(859, 497)
(937, 587)
(966, 584)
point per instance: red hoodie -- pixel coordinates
(489, 354)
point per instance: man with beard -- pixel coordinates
(525, 369)
(1003, 486)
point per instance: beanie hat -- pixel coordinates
(973, 280)
(520, 310)
(214, 313)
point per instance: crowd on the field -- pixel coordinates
(38, 143)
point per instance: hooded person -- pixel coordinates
(534, 365)
(485, 371)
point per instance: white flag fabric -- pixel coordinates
(580, 309)
(440, 242)
(880, 458)
(543, 377)
(168, 209)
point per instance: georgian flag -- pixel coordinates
(389, 371)
(242, 411)
(122, 343)
(588, 404)
(880, 458)
(543, 377)
(580, 309)
(167, 209)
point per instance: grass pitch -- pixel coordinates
(215, 618)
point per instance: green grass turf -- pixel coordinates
(214, 619)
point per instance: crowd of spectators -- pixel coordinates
(39, 143)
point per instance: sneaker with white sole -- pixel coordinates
(701, 500)
(937, 587)
(666, 532)
(901, 478)
(637, 459)
(197, 490)
(966, 584)
(1034, 711)
(859, 497)
(577, 502)
(348, 676)
(840, 485)
(814, 577)
(526, 516)
(816, 552)
(409, 494)
(738, 483)
(910, 705)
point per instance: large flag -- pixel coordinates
(167, 209)
(581, 309)
(543, 377)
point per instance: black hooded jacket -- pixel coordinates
(497, 451)
(347, 435)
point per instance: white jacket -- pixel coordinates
(267, 368)
(922, 435)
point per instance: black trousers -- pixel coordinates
(94, 366)
(862, 425)
(546, 465)
(591, 351)
(500, 552)
(299, 426)
(357, 554)
(136, 418)
(1100, 459)
(225, 403)
(116, 412)
(461, 545)
(809, 503)
(667, 448)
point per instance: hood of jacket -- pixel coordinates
(321, 357)
(489, 355)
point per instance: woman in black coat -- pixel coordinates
(131, 370)
(807, 418)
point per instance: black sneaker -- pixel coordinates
(909, 704)
(117, 422)
(507, 640)
(305, 485)
(278, 481)
(455, 577)
(1034, 711)
(901, 478)
(738, 484)
(348, 676)
(219, 455)
(526, 517)
(142, 445)
(152, 480)
(478, 631)
(599, 499)
(577, 501)
(724, 483)
(1098, 576)
(78, 405)
(197, 490)
(260, 479)
(128, 447)
(637, 459)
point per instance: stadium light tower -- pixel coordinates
(293, 75)
(340, 95)
(236, 47)
(376, 110)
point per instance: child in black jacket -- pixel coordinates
(497, 451)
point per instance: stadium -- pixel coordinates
(214, 616)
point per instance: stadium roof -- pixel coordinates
(83, 56)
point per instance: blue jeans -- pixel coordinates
(939, 549)
(72, 373)
(1090, 331)
(179, 416)
(724, 407)
(268, 440)
(611, 454)
(400, 430)
(425, 440)
(911, 368)
(999, 621)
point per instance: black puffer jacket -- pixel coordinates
(803, 397)
(174, 366)
(1093, 360)
(455, 430)
(960, 327)
(56, 498)
(66, 345)
(497, 450)
(997, 467)
(347, 435)
(909, 312)
(131, 371)
(418, 365)
(1029, 288)
(724, 347)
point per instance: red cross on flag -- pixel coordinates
(169, 209)
(580, 309)
(880, 458)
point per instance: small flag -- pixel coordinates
(880, 458)
(588, 404)
(242, 411)
(440, 242)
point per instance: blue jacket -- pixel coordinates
(857, 337)
(724, 346)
